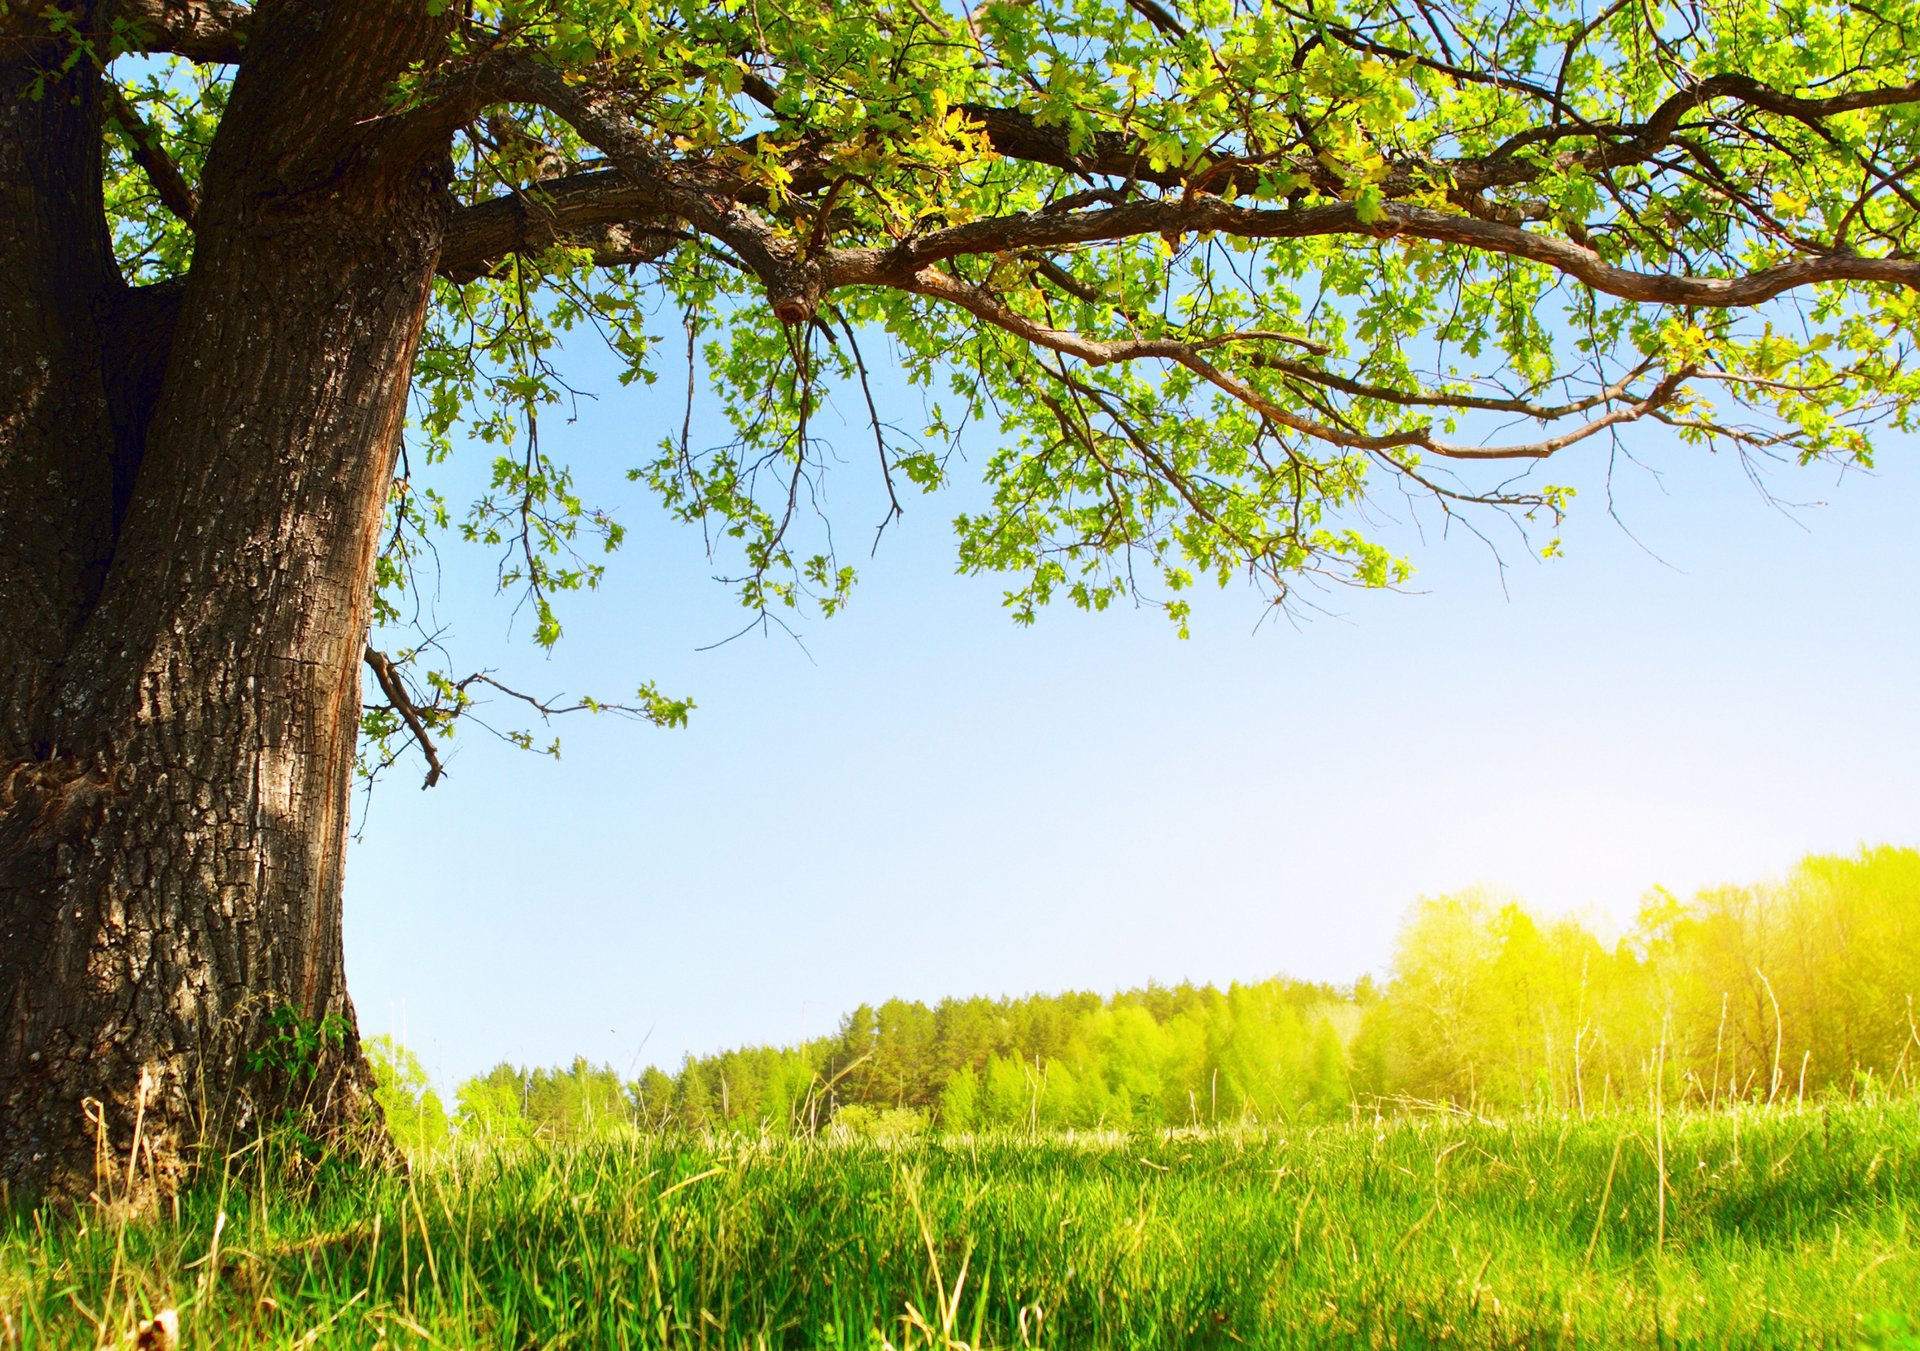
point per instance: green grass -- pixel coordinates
(1780, 1229)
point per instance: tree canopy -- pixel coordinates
(1196, 278)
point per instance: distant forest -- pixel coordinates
(1775, 992)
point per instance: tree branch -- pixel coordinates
(579, 208)
(396, 691)
(1020, 135)
(1425, 398)
(939, 286)
(649, 186)
(901, 265)
(794, 284)
(176, 194)
(1157, 15)
(210, 31)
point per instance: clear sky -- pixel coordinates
(929, 800)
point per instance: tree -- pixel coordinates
(493, 1106)
(902, 1071)
(412, 1109)
(577, 1103)
(960, 1100)
(652, 1098)
(1429, 1030)
(696, 1104)
(1208, 270)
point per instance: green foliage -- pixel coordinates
(960, 1100)
(491, 1107)
(652, 1097)
(576, 1103)
(1188, 291)
(581, 1102)
(415, 1117)
(1758, 993)
(855, 1122)
(1115, 478)
(293, 1045)
(1765, 1228)
(1489, 1010)
(1140, 1058)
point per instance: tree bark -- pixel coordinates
(192, 483)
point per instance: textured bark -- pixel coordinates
(56, 434)
(191, 488)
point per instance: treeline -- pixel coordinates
(1750, 994)
(1742, 994)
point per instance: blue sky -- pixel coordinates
(929, 800)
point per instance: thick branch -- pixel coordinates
(714, 207)
(1153, 13)
(580, 208)
(1748, 90)
(1666, 118)
(1111, 154)
(212, 31)
(176, 194)
(901, 265)
(649, 185)
(652, 187)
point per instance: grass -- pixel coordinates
(1777, 1229)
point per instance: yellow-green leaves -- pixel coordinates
(1188, 283)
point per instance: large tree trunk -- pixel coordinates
(180, 658)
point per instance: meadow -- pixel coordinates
(1793, 1225)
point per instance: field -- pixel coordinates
(1781, 1228)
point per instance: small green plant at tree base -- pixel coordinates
(294, 1044)
(292, 1147)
